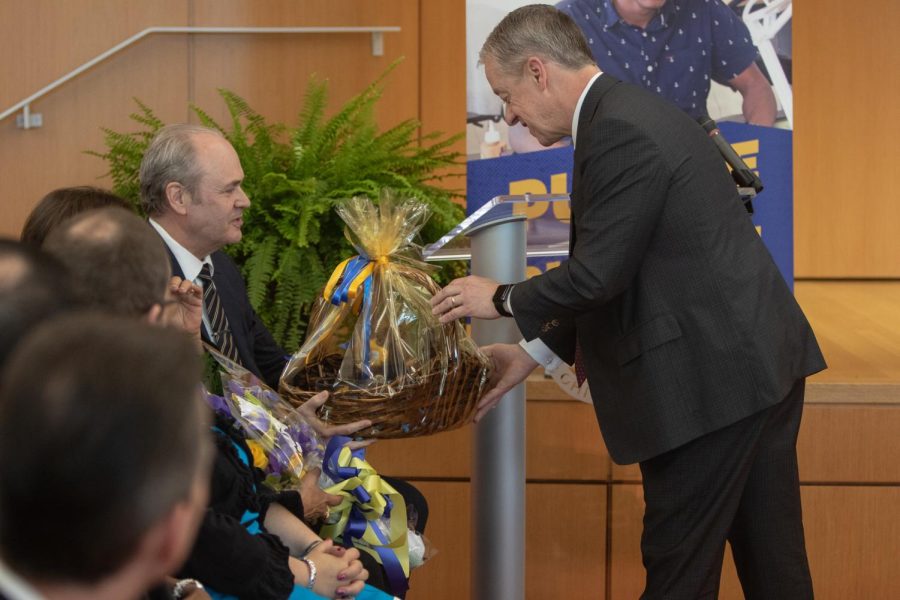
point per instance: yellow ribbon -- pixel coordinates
(378, 491)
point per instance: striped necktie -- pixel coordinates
(215, 314)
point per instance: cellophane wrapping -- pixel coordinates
(372, 335)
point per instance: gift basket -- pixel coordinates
(372, 341)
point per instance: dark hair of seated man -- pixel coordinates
(33, 286)
(62, 204)
(106, 455)
(114, 258)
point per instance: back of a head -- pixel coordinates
(116, 261)
(536, 30)
(171, 156)
(33, 287)
(102, 433)
(62, 204)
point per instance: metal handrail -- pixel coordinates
(25, 105)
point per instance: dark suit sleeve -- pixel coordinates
(623, 186)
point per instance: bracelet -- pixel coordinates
(312, 573)
(310, 548)
(185, 587)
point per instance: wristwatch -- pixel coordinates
(500, 297)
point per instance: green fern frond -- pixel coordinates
(258, 270)
(292, 237)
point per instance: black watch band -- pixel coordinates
(500, 297)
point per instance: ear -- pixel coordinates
(154, 315)
(536, 71)
(166, 544)
(177, 197)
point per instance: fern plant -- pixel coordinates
(294, 176)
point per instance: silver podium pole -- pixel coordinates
(498, 469)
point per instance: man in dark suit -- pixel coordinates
(694, 348)
(191, 189)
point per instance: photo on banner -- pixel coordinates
(730, 60)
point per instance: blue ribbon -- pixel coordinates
(341, 291)
(357, 523)
(341, 294)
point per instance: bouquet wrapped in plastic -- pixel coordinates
(283, 444)
(373, 342)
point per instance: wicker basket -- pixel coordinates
(373, 342)
(439, 403)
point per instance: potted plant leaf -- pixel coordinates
(294, 176)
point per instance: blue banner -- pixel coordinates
(765, 149)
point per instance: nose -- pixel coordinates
(510, 117)
(243, 200)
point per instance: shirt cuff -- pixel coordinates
(541, 353)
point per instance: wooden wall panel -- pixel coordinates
(445, 455)
(847, 217)
(850, 443)
(857, 325)
(272, 71)
(838, 443)
(446, 576)
(563, 443)
(43, 41)
(626, 573)
(565, 542)
(443, 76)
(853, 540)
(47, 39)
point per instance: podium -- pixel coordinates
(498, 238)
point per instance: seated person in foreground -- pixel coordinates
(120, 264)
(102, 416)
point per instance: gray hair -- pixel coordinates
(536, 30)
(171, 156)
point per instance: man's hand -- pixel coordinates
(184, 306)
(466, 297)
(308, 412)
(511, 366)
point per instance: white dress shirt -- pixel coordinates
(536, 348)
(13, 587)
(190, 264)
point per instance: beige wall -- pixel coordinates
(44, 39)
(846, 149)
(847, 215)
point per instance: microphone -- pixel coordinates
(740, 172)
